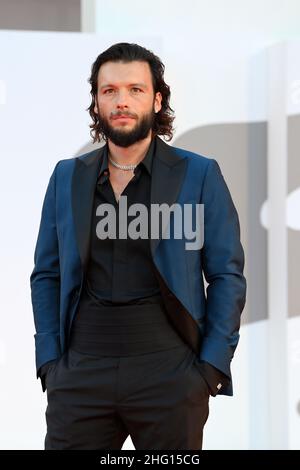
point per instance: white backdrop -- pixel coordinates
(43, 99)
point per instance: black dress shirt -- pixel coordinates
(120, 270)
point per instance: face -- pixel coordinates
(125, 101)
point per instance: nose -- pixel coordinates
(121, 100)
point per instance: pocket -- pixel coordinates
(204, 384)
(51, 370)
(52, 367)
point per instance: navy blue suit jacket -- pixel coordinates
(208, 319)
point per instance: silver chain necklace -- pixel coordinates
(122, 167)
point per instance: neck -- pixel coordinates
(130, 155)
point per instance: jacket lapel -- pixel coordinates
(84, 181)
(168, 173)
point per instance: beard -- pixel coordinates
(125, 137)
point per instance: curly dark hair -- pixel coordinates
(128, 52)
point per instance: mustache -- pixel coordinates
(120, 113)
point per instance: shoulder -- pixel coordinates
(197, 161)
(68, 164)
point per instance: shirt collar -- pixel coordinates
(146, 162)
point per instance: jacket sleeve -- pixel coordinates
(45, 282)
(222, 264)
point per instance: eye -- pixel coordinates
(133, 88)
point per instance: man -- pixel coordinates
(127, 342)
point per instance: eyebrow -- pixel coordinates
(142, 85)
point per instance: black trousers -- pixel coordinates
(132, 375)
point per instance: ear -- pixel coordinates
(96, 106)
(157, 102)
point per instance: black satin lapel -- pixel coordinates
(168, 174)
(83, 189)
